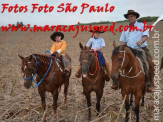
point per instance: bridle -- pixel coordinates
(36, 65)
(33, 74)
(95, 53)
(96, 63)
(122, 73)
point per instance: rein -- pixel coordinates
(37, 63)
(96, 67)
(126, 75)
(95, 53)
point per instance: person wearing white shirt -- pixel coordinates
(137, 39)
(98, 44)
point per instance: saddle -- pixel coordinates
(101, 58)
(138, 55)
(63, 61)
(135, 52)
(58, 58)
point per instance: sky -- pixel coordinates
(143, 7)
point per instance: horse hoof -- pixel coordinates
(97, 115)
(65, 106)
(89, 118)
(142, 104)
(126, 119)
(107, 78)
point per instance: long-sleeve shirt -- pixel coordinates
(58, 46)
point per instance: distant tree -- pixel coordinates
(21, 23)
(17, 23)
(147, 19)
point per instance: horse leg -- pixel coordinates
(66, 84)
(55, 98)
(88, 97)
(127, 107)
(131, 99)
(137, 102)
(98, 97)
(42, 95)
(142, 104)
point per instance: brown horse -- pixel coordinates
(128, 71)
(53, 80)
(93, 76)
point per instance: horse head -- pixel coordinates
(29, 65)
(118, 61)
(86, 59)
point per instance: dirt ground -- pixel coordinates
(22, 105)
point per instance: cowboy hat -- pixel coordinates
(57, 34)
(131, 12)
(97, 30)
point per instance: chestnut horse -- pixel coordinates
(128, 71)
(93, 76)
(50, 76)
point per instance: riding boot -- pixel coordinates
(143, 57)
(78, 73)
(147, 83)
(66, 65)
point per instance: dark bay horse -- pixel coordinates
(93, 76)
(52, 82)
(128, 71)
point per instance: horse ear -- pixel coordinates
(114, 44)
(21, 57)
(122, 47)
(30, 57)
(80, 45)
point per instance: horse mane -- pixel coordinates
(134, 52)
(115, 51)
(44, 59)
(86, 48)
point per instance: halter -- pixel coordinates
(126, 75)
(33, 75)
(37, 63)
(95, 53)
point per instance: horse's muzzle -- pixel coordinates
(28, 84)
(115, 76)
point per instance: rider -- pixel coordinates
(59, 46)
(137, 40)
(98, 44)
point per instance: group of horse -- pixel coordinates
(50, 76)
